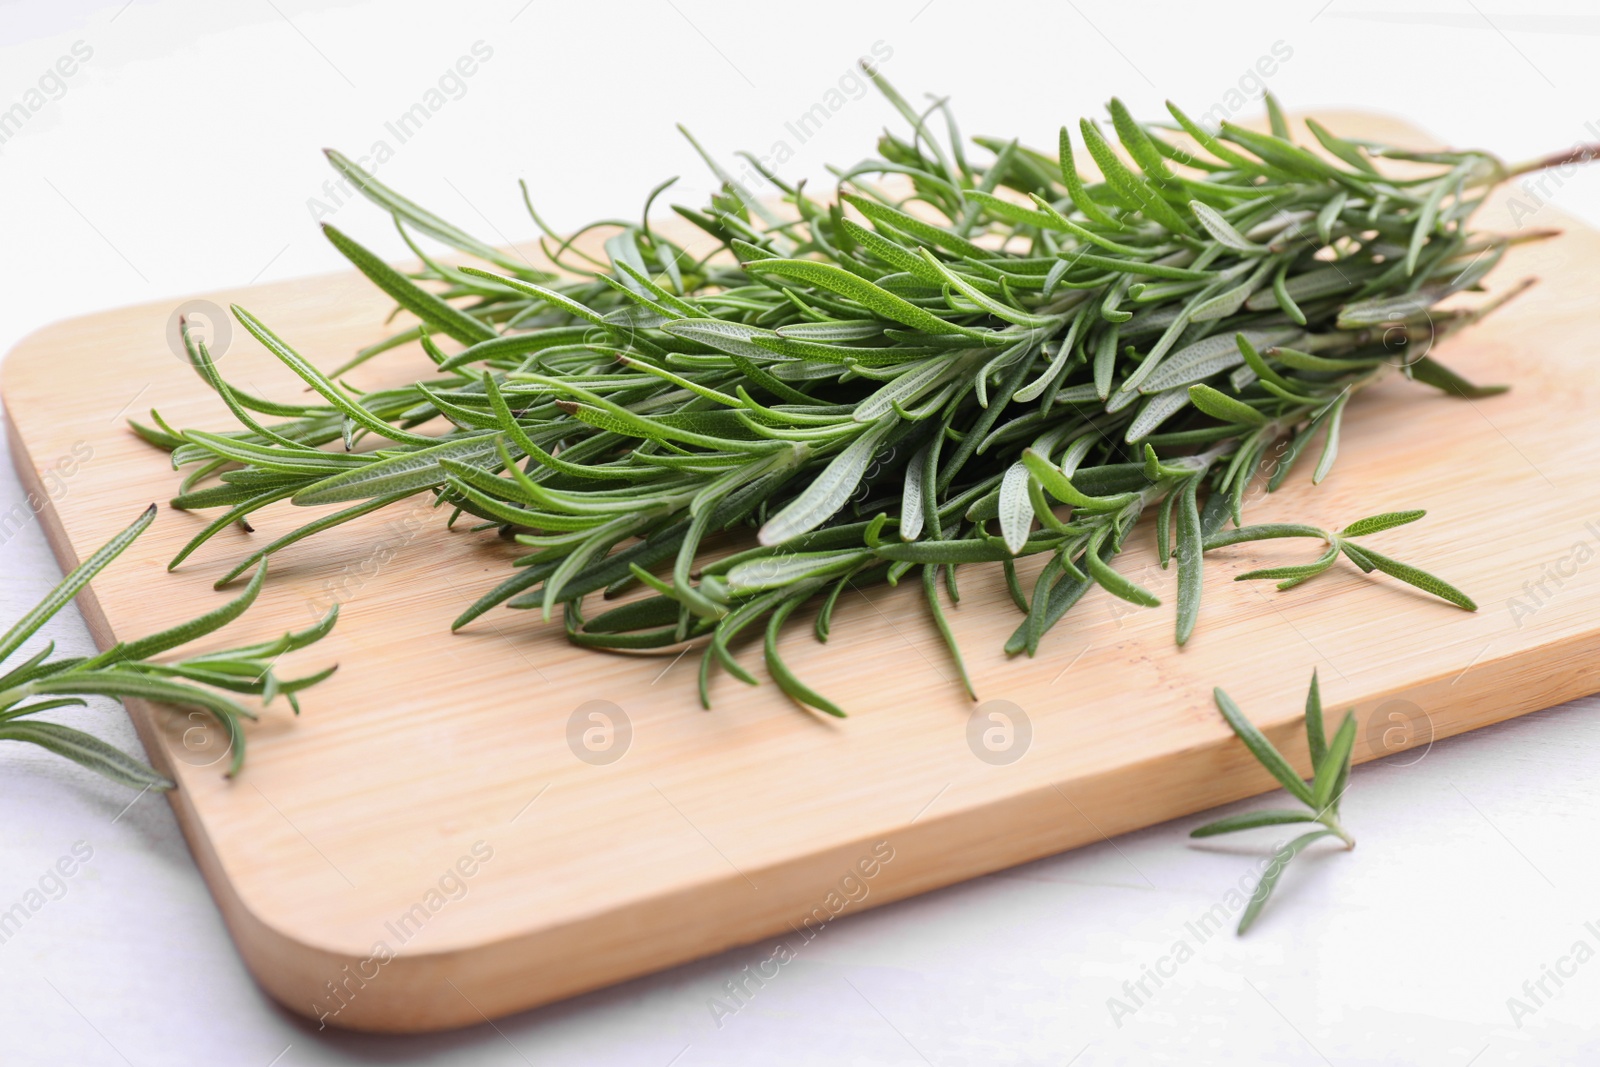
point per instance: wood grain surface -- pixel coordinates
(435, 841)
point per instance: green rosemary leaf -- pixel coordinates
(964, 551)
(1221, 406)
(1289, 157)
(1329, 213)
(913, 514)
(1016, 507)
(1075, 188)
(1348, 151)
(1356, 556)
(1139, 145)
(1220, 229)
(1156, 409)
(1330, 446)
(1113, 582)
(1306, 361)
(792, 686)
(265, 458)
(1251, 820)
(1341, 781)
(1376, 523)
(159, 438)
(884, 215)
(1428, 583)
(889, 252)
(824, 622)
(421, 303)
(399, 475)
(34, 667)
(62, 595)
(1136, 191)
(1274, 871)
(1164, 529)
(1263, 531)
(1285, 298)
(780, 571)
(828, 492)
(1430, 371)
(1334, 764)
(1261, 748)
(1211, 144)
(878, 301)
(315, 378)
(930, 590)
(994, 307)
(1191, 559)
(422, 219)
(1203, 359)
(182, 634)
(1316, 735)
(117, 682)
(87, 751)
(1060, 486)
(1379, 310)
(1133, 266)
(1252, 359)
(326, 522)
(1055, 220)
(1275, 118)
(1426, 219)
(519, 582)
(1294, 574)
(17, 711)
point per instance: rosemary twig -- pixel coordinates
(1321, 797)
(42, 683)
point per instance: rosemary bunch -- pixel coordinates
(41, 683)
(952, 361)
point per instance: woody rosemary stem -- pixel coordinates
(1574, 156)
(1333, 824)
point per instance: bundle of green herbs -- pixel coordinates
(950, 361)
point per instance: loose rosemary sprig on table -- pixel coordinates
(1330, 761)
(41, 683)
(950, 362)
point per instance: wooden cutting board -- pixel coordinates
(463, 826)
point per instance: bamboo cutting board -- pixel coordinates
(461, 827)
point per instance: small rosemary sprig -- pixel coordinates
(1330, 761)
(41, 683)
(1363, 557)
(953, 360)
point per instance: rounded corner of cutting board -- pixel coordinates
(313, 981)
(33, 347)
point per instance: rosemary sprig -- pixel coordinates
(41, 683)
(953, 361)
(1339, 543)
(1331, 763)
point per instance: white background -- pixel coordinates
(181, 158)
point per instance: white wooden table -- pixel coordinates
(180, 155)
